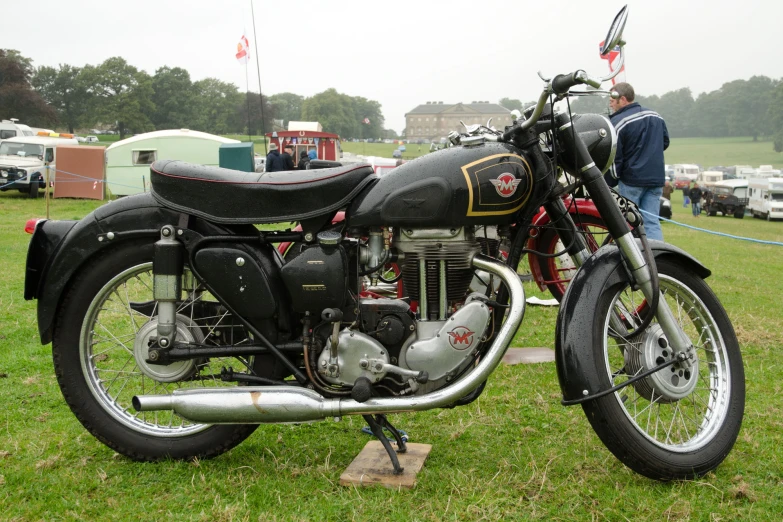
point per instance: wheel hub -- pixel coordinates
(667, 385)
(187, 331)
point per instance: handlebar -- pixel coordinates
(562, 83)
(559, 85)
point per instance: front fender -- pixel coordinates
(577, 313)
(126, 219)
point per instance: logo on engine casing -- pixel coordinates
(461, 338)
(506, 184)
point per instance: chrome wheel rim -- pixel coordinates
(108, 358)
(691, 422)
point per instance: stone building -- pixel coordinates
(434, 120)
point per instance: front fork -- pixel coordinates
(616, 224)
(167, 267)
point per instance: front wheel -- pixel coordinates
(680, 422)
(101, 339)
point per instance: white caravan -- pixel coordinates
(765, 198)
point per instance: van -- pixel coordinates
(10, 129)
(710, 176)
(684, 173)
(765, 198)
(24, 161)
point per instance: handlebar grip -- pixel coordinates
(563, 82)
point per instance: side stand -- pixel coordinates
(377, 424)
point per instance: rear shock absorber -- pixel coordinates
(167, 268)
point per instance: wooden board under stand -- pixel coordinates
(372, 466)
(528, 355)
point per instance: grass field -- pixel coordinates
(515, 454)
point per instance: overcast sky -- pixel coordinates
(403, 53)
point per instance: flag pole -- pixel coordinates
(258, 69)
(247, 98)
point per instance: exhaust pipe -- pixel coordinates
(270, 404)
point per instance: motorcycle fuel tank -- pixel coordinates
(483, 184)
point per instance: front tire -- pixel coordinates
(679, 423)
(99, 371)
(32, 189)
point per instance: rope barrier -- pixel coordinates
(723, 234)
(85, 179)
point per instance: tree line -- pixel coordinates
(130, 101)
(751, 107)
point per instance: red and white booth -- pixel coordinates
(326, 144)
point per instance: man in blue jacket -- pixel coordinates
(274, 163)
(641, 139)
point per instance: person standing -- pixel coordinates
(695, 195)
(707, 195)
(274, 163)
(286, 156)
(667, 190)
(642, 137)
(304, 161)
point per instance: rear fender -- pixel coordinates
(583, 206)
(70, 245)
(576, 317)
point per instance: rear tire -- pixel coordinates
(680, 422)
(98, 371)
(739, 213)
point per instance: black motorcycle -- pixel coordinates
(177, 327)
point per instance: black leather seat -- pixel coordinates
(231, 196)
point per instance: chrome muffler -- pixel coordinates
(269, 404)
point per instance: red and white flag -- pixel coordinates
(366, 120)
(613, 57)
(243, 50)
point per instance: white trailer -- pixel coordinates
(765, 198)
(128, 161)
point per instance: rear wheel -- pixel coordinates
(100, 344)
(679, 422)
(739, 213)
(557, 272)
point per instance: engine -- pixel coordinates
(424, 340)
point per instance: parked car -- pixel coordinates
(91, 139)
(397, 153)
(681, 182)
(24, 161)
(729, 197)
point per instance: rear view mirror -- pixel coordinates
(615, 35)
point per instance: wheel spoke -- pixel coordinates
(654, 404)
(114, 321)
